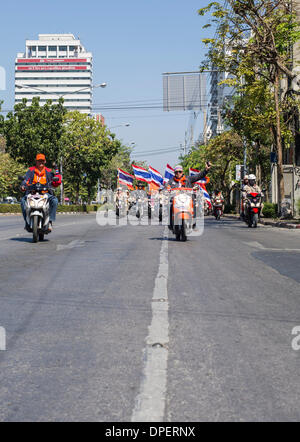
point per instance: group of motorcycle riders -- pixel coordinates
(44, 176)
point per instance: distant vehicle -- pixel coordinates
(10, 200)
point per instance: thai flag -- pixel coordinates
(202, 184)
(141, 174)
(169, 173)
(156, 177)
(125, 178)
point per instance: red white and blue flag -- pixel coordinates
(141, 174)
(169, 173)
(156, 177)
(125, 178)
(202, 184)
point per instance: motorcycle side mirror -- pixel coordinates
(55, 179)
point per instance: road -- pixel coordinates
(125, 324)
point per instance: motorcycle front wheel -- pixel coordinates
(35, 235)
(255, 221)
(183, 231)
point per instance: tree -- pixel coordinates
(33, 129)
(109, 174)
(10, 170)
(225, 152)
(87, 148)
(254, 40)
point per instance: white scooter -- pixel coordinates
(37, 210)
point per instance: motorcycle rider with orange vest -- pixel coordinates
(41, 174)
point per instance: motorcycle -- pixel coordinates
(37, 210)
(182, 213)
(218, 208)
(253, 207)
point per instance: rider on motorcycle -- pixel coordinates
(251, 187)
(245, 182)
(140, 191)
(41, 174)
(180, 180)
(218, 196)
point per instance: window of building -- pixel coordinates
(42, 48)
(52, 48)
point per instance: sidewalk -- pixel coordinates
(283, 223)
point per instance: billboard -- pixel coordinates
(184, 92)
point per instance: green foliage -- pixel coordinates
(253, 44)
(87, 148)
(298, 206)
(109, 174)
(270, 210)
(224, 152)
(16, 208)
(34, 129)
(10, 170)
(10, 208)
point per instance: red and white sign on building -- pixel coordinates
(55, 66)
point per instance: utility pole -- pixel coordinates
(62, 183)
(205, 127)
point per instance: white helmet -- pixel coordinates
(252, 179)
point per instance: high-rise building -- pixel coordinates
(54, 66)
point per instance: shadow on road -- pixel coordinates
(26, 240)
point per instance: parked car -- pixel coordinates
(10, 200)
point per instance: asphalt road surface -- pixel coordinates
(125, 324)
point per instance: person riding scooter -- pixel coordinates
(140, 197)
(218, 197)
(180, 180)
(41, 174)
(245, 182)
(251, 187)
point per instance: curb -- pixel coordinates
(270, 223)
(279, 224)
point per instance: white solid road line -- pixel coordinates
(151, 400)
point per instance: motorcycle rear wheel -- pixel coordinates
(35, 235)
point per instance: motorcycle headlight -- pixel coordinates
(182, 198)
(41, 203)
(32, 203)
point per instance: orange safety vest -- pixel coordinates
(39, 177)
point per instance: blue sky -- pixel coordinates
(133, 43)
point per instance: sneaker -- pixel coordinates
(50, 227)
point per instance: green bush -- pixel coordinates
(270, 210)
(16, 208)
(298, 206)
(10, 208)
(229, 208)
